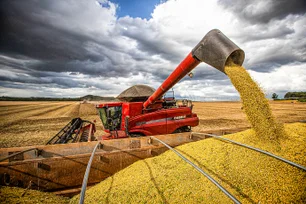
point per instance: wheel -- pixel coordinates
(183, 129)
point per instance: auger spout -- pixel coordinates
(214, 49)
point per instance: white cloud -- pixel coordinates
(291, 77)
(121, 52)
(82, 17)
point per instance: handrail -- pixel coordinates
(200, 170)
(17, 153)
(85, 179)
(255, 149)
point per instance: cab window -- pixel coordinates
(111, 117)
(103, 117)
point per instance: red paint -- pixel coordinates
(188, 64)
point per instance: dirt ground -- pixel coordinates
(34, 123)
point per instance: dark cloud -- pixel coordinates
(22, 80)
(263, 11)
(265, 32)
(28, 34)
(29, 31)
(269, 40)
(32, 31)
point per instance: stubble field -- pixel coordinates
(34, 123)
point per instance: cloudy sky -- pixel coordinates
(72, 48)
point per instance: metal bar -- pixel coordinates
(255, 149)
(64, 140)
(85, 179)
(180, 71)
(89, 134)
(17, 153)
(76, 135)
(200, 170)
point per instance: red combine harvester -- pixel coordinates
(132, 119)
(142, 111)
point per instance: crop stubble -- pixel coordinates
(27, 124)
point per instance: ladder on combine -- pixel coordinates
(77, 130)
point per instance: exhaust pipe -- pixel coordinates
(216, 49)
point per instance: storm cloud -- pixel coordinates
(265, 11)
(72, 48)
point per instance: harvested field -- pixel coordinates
(230, 115)
(34, 123)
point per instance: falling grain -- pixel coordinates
(255, 105)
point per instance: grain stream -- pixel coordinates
(255, 105)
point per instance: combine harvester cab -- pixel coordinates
(128, 119)
(60, 165)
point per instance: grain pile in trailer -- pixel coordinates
(20, 195)
(250, 176)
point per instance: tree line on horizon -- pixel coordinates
(300, 96)
(84, 98)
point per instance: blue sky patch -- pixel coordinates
(136, 8)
